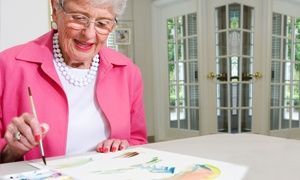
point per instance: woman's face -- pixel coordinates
(80, 45)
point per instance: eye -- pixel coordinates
(103, 23)
(79, 17)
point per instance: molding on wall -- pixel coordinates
(163, 2)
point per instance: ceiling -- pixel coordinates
(294, 1)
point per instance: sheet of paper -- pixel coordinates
(143, 163)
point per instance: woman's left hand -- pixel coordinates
(112, 145)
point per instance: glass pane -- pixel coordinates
(182, 72)
(285, 122)
(183, 114)
(296, 72)
(221, 44)
(297, 31)
(193, 72)
(275, 95)
(222, 120)
(274, 124)
(248, 43)
(234, 42)
(247, 70)
(297, 52)
(286, 95)
(234, 69)
(296, 111)
(222, 69)
(172, 74)
(295, 123)
(288, 23)
(234, 120)
(246, 95)
(276, 24)
(171, 29)
(287, 49)
(222, 95)
(173, 117)
(171, 52)
(276, 47)
(194, 100)
(181, 51)
(275, 72)
(172, 96)
(192, 24)
(234, 16)
(221, 18)
(181, 32)
(182, 95)
(248, 18)
(192, 48)
(234, 95)
(246, 115)
(194, 113)
(286, 72)
(296, 95)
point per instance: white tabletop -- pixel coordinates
(265, 157)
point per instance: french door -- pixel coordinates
(235, 65)
(285, 71)
(177, 67)
(209, 68)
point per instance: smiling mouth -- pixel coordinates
(83, 45)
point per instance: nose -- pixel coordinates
(90, 31)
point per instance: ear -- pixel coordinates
(54, 4)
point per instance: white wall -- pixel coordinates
(142, 11)
(139, 13)
(22, 20)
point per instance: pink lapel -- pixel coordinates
(40, 51)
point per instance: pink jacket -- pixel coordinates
(119, 91)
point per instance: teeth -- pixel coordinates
(83, 43)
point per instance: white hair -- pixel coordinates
(118, 6)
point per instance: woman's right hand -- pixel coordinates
(22, 135)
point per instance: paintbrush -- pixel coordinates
(35, 116)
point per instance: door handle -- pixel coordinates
(211, 75)
(248, 76)
(221, 76)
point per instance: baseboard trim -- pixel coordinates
(151, 139)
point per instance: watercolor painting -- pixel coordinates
(122, 36)
(143, 163)
(37, 175)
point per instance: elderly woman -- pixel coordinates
(87, 96)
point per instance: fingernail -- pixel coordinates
(37, 137)
(99, 149)
(113, 149)
(105, 150)
(121, 147)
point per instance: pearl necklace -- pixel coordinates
(64, 69)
